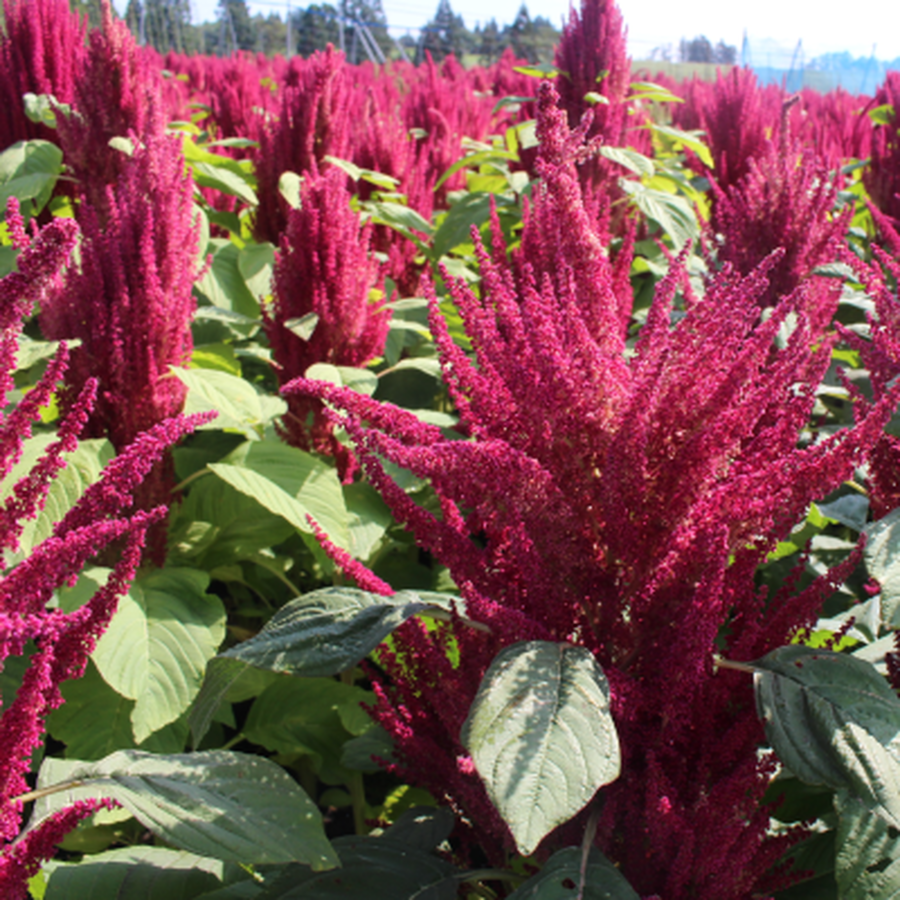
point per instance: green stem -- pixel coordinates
(191, 478)
(47, 791)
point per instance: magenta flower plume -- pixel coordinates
(117, 95)
(882, 175)
(784, 202)
(324, 270)
(312, 123)
(129, 301)
(738, 117)
(27, 588)
(622, 498)
(41, 52)
(592, 58)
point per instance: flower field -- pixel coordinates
(428, 482)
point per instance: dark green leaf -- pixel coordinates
(559, 878)
(867, 864)
(220, 804)
(371, 869)
(882, 558)
(424, 827)
(330, 630)
(136, 873)
(833, 720)
(541, 736)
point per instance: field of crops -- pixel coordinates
(439, 482)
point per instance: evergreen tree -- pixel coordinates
(314, 28)
(236, 26)
(163, 24)
(446, 33)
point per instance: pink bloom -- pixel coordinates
(325, 270)
(622, 498)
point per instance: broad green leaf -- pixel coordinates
(266, 492)
(136, 873)
(424, 827)
(544, 70)
(220, 357)
(473, 160)
(95, 721)
(239, 405)
(511, 100)
(562, 872)
(289, 188)
(220, 804)
(473, 209)
(28, 171)
(303, 326)
(330, 630)
(882, 558)
(850, 510)
(867, 861)
(882, 115)
(223, 284)
(224, 180)
(387, 182)
(541, 736)
(305, 478)
(674, 214)
(309, 717)
(217, 525)
(690, 139)
(42, 108)
(630, 159)
(363, 381)
(221, 675)
(359, 753)
(594, 98)
(373, 868)
(255, 263)
(369, 518)
(399, 216)
(157, 645)
(833, 720)
(83, 467)
(649, 90)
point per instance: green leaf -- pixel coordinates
(473, 209)
(833, 720)
(882, 558)
(541, 736)
(630, 159)
(221, 675)
(425, 827)
(157, 645)
(882, 115)
(594, 98)
(239, 405)
(473, 160)
(690, 139)
(363, 381)
(256, 263)
(223, 284)
(84, 466)
(358, 753)
(867, 862)
(308, 717)
(387, 182)
(649, 90)
(136, 873)
(562, 872)
(330, 630)
(220, 804)
(310, 481)
(303, 326)
(90, 699)
(399, 216)
(374, 868)
(41, 108)
(674, 214)
(289, 188)
(539, 71)
(511, 100)
(28, 171)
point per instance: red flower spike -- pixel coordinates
(622, 498)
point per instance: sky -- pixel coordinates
(823, 26)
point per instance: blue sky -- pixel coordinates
(823, 26)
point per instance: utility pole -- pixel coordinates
(287, 51)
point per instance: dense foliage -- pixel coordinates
(428, 481)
